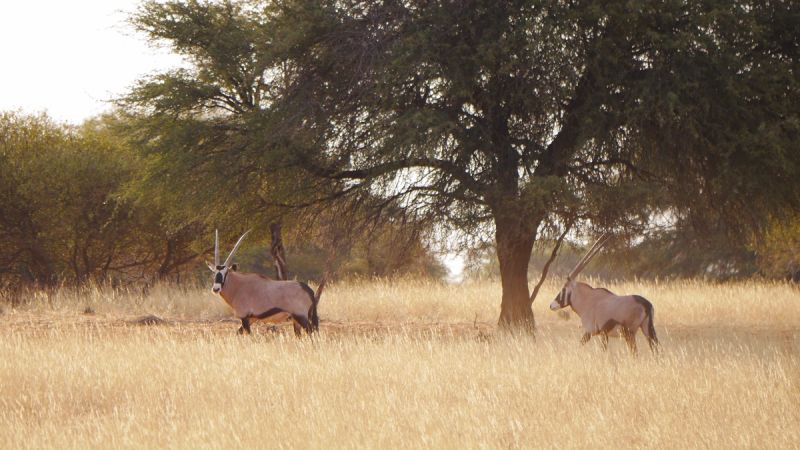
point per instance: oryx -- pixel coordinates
(601, 310)
(256, 297)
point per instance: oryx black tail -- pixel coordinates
(313, 318)
(650, 330)
(313, 315)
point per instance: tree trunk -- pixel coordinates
(515, 238)
(41, 267)
(278, 252)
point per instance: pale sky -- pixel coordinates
(69, 57)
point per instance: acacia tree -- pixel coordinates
(526, 115)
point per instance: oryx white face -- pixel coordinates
(220, 274)
(564, 297)
(221, 270)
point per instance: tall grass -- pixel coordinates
(399, 364)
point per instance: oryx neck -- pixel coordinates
(232, 284)
(579, 300)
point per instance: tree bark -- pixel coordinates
(278, 252)
(41, 267)
(515, 237)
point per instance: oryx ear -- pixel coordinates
(234, 267)
(211, 267)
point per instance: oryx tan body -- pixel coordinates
(256, 297)
(601, 311)
(252, 295)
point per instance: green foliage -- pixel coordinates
(778, 251)
(51, 167)
(380, 255)
(465, 109)
(525, 116)
(62, 215)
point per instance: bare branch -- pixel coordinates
(407, 163)
(552, 258)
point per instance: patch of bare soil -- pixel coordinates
(34, 324)
(149, 319)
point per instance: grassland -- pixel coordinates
(398, 364)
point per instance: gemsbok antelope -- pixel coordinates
(601, 310)
(256, 297)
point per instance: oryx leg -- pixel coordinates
(604, 340)
(585, 338)
(303, 322)
(245, 328)
(630, 339)
(604, 330)
(297, 328)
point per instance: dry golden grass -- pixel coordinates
(399, 364)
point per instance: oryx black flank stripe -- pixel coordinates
(268, 313)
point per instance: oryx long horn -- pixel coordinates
(594, 251)
(590, 252)
(236, 247)
(216, 248)
(589, 255)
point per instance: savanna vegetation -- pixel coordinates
(400, 364)
(514, 122)
(381, 135)
(378, 133)
(72, 211)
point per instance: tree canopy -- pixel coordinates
(526, 117)
(63, 215)
(73, 211)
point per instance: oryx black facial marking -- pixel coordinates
(563, 299)
(220, 276)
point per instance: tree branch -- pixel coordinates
(553, 255)
(407, 163)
